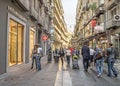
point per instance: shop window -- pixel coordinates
(32, 41)
(15, 51)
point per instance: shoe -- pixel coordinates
(99, 75)
(116, 75)
(86, 70)
(31, 67)
(109, 75)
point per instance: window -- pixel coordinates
(15, 51)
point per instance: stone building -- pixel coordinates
(89, 14)
(61, 35)
(22, 23)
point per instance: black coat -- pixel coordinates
(85, 52)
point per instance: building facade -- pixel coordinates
(61, 35)
(22, 23)
(92, 14)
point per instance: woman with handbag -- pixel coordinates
(99, 61)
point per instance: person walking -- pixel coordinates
(49, 52)
(77, 52)
(68, 54)
(111, 55)
(85, 51)
(91, 57)
(56, 55)
(61, 53)
(38, 58)
(99, 60)
(34, 55)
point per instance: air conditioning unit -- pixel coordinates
(116, 17)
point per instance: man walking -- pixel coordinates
(85, 54)
(68, 54)
(111, 55)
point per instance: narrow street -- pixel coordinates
(53, 74)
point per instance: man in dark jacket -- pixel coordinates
(85, 54)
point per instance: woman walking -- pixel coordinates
(34, 55)
(99, 60)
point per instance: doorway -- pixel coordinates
(15, 52)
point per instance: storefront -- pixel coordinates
(115, 39)
(15, 46)
(32, 41)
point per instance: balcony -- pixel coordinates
(100, 11)
(40, 21)
(24, 4)
(41, 1)
(33, 14)
(112, 3)
(111, 24)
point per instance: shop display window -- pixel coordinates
(15, 51)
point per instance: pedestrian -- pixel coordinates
(68, 55)
(34, 55)
(61, 53)
(77, 52)
(111, 55)
(85, 51)
(99, 60)
(49, 51)
(38, 58)
(91, 57)
(56, 55)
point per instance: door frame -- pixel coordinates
(10, 16)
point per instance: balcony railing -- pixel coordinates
(33, 13)
(24, 4)
(112, 3)
(100, 11)
(40, 21)
(111, 23)
(41, 1)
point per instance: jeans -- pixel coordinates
(34, 60)
(110, 64)
(68, 59)
(38, 63)
(99, 66)
(86, 63)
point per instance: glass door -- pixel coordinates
(13, 43)
(20, 44)
(15, 50)
(32, 40)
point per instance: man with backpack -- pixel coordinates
(111, 57)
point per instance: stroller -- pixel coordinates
(75, 62)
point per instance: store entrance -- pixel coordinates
(32, 41)
(15, 53)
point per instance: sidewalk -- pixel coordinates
(22, 75)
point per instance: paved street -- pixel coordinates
(24, 76)
(53, 74)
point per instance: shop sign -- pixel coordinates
(44, 37)
(11, 9)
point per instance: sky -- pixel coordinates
(69, 7)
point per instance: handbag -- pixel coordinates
(98, 56)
